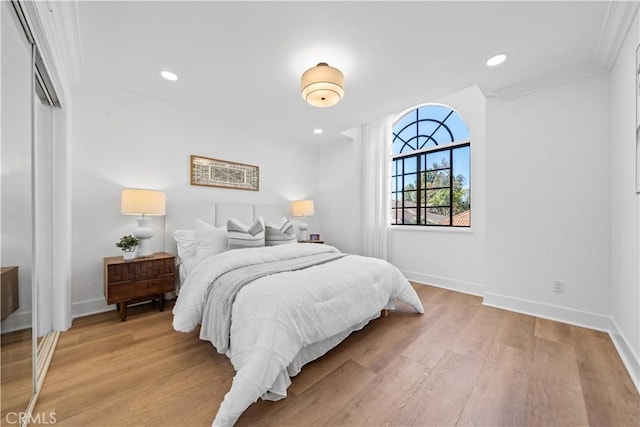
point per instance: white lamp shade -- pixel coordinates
(137, 201)
(302, 208)
(322, 85)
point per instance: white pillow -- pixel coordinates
(187, 246)
(186, 242)
(242, 236)
(281, 234)
(210, 240)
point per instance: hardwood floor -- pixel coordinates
(16, 371)
(460, 364)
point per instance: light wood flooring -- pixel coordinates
(16, 368)
(459, 364)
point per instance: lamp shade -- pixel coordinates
(137, 201)
(322, 85)
(302, 208)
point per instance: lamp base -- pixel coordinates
(304, 235)
(144, 232)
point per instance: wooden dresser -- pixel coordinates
(9, 292)
(141, 279)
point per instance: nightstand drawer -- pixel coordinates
(140, 288)
(139, 270)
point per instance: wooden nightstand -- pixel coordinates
(311, 241)
(9, 294)
(140, 279)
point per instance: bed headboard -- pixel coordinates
(184, 217)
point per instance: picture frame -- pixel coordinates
(314, 237)
(638, 120)
(209, 172)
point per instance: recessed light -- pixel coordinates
(169, 76)
(496, 60)
(317, 131)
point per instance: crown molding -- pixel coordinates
(56, 30)
(69, 38)
(615, 27)
(558, 77)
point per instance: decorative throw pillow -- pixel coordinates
(211, 240)
(280, 234)
(242, 236)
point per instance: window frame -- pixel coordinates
(419, 190)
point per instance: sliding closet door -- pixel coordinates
(17, 347)
(43, 111)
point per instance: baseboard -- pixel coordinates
(17, 322)
(546, 311)
(85, 308)
(585, 319)
(446, 283)
(94, 306)
(631, 361)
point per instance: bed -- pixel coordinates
(272, 309)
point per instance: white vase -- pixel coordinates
(128, 256)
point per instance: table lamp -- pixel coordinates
(302, 208)
(136, 201)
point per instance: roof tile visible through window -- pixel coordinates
(463, 219)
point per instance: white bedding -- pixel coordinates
(284, 320)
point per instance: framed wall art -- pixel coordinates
(210, 172)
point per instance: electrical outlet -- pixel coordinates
(558, 286)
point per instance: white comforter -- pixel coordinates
(283, 319)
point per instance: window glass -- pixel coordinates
(430, 171)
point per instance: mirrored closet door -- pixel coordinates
(44, 102)
(16, 252)
(29, 102)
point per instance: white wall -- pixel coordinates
(540, 205)
(443, 256)
(122, 139)
(339, 187)
(548, 202)
(625, 210)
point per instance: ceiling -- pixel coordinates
(241, 61)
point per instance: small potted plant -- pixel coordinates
(128, 244)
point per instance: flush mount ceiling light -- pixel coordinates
(317, 131)
(322, 85)
(496, 60)
(169, 76)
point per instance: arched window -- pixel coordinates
(430, 171)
